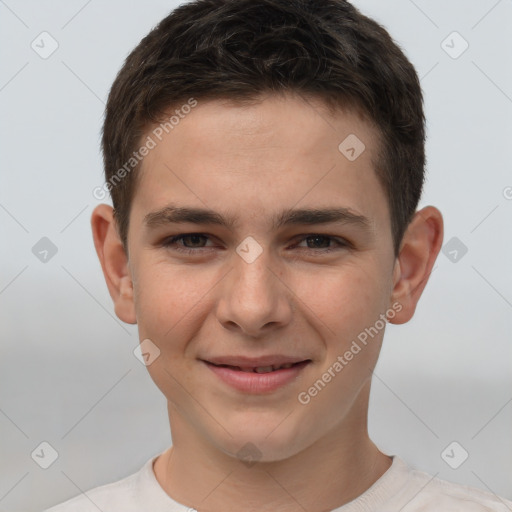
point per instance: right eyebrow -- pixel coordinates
(175, 214)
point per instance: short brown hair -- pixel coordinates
(242, 49)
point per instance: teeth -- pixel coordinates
(259, 369)
(263, 369)
(266, 369)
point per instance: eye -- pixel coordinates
(322, 243)
(193, 238)
(194, 243)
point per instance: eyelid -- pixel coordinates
(338, 239)
(341, 243)
(171, 240)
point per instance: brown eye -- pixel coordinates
(191, 242)
(323, 243)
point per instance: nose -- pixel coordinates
(254, 297)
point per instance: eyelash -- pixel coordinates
(171, 243)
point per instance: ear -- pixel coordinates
(419, 249)
(114, 262)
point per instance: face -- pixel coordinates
(262, 280)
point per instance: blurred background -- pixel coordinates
(442, 392)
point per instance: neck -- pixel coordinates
(197, 474)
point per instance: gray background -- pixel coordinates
(68, 373)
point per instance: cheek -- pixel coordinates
(168, 308)
(344, 300)
(165, 298)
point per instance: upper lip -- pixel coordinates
(255, 362)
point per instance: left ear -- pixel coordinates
(419, 249)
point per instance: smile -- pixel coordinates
(258, 379)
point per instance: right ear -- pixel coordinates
(114, 262)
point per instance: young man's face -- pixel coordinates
(258, 292)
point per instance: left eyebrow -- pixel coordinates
(306, 216)
(311, 216)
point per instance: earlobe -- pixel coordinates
(420, 247)
(114, 262)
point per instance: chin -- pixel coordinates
(263, 441)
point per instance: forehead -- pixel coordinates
(261, 158)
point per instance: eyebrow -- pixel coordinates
(173, 214)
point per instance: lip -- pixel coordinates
(254, 362)
(257, 383)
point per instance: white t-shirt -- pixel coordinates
(400, 488)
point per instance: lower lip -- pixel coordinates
(252, 382)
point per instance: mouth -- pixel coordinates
(260, 369)
(257, 377)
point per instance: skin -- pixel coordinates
(294, 299)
